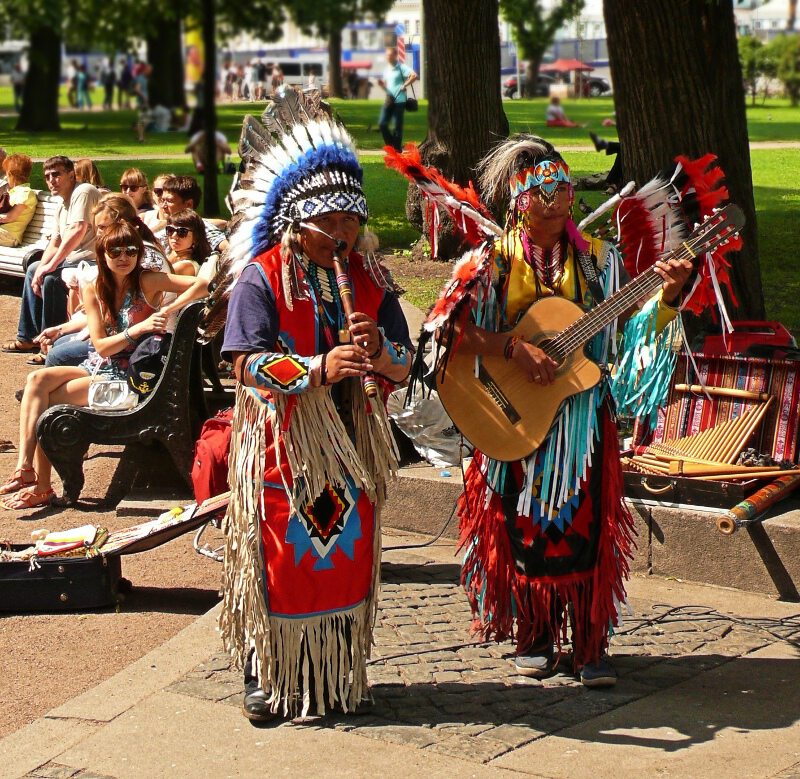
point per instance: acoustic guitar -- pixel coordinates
(492, 402)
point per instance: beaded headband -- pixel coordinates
(546, 175)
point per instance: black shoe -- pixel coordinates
(599, 143)
(256, 708)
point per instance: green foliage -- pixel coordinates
(751, 56)
(534, 30)
(785, 52)
(326, 17)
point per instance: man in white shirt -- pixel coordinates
(44, 294)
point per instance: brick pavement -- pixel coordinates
(436, 688)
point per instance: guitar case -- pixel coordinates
(56, 584)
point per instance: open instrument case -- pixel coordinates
(765, 392)
(55, 583)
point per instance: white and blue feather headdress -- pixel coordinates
(298, 163)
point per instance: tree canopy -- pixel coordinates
(534, 30)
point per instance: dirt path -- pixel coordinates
(49, 658)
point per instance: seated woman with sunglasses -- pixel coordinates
(133, 183)
(188, 245)
(68, 344)
(122, 307)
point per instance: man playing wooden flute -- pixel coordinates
(311, 452)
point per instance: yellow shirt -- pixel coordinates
(521, 286)
(23, 195)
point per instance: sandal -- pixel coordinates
(17, 482)
(37, 359)
(28, 498)
(20, 347)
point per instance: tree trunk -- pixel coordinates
(210, 191)
(678, 90)
(40, 94)
(335, 87)
(532, 74)
(165, 55)
(465, 109)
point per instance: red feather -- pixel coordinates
(705, 177)
(436, 189)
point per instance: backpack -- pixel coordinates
(210, 466)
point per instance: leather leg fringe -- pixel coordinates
(500, 596)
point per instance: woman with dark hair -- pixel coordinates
(188, 245)
(68, 344)
(133, 183)
(122, 306)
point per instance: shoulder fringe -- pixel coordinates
(329, 651)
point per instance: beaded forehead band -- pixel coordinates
(546, 175)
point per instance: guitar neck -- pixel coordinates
(584, 329)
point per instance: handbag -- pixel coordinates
(411, 102)
(147, 362)
(110, 394)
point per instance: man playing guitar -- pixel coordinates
(548, 537)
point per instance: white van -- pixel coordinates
(297, 72)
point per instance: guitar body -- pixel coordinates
(499, 411)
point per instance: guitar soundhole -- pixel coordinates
(551, 351)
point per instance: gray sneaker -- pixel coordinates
(599, 674)
(536, 666)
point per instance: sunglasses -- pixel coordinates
(115, 252)
(181, 232)
(158, 191)
(130, 187)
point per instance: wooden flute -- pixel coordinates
(346, 294)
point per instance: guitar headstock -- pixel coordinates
(718, 229)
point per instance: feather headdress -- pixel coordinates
(297, 163)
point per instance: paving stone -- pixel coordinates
(412, 735)
(514, 735)
(206, 689)
(476, 748)
(54, 771)
(793, 772)
(446, 676)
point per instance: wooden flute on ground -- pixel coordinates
(346, 293)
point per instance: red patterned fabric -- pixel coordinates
(321, 559)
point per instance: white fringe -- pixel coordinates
(290, 653)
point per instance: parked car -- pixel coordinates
(542, 86)
(595, 85)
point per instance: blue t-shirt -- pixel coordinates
(252, 323)
(394, 76)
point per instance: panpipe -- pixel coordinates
(720, 389)
(711, 453)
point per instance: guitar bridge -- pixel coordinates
(497, 394)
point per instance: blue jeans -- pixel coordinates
(50, 310)
(67, 350)
(392, 111)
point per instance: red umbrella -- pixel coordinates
(356, 64)
(564, 66)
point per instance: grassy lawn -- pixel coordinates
(98, 134)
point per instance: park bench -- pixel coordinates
(171, 414)
(14, 260)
